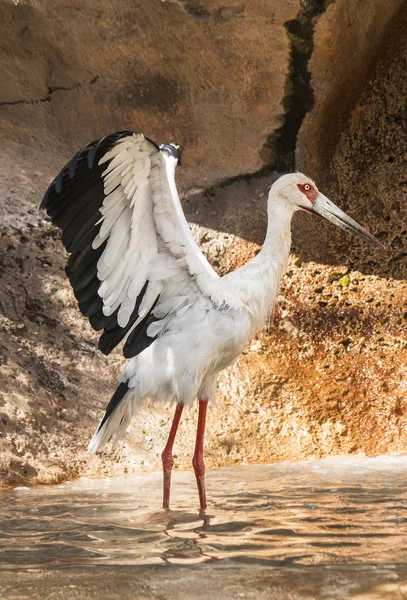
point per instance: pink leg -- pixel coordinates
(166, 456)
(198, 460)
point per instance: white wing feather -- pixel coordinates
(144, 225)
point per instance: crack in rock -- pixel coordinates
(279, 148)
(51, 91)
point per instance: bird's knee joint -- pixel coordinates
(199, 466)
(167, 460)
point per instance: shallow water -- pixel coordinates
(334, 512)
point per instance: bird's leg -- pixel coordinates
(198, 460)
(166, 456)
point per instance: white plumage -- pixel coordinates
(204, 321)
(152, 282)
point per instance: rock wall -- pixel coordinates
(328, 376)
(347, 40)
(209, 75)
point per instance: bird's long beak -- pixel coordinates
(327, 209)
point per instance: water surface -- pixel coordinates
(334, 513)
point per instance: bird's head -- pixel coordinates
(299, 192)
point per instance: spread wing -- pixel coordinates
(129, 242)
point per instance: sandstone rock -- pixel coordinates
(210, 75)
(347, 38)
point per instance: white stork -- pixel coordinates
(139, 276)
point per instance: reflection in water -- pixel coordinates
(337, 511)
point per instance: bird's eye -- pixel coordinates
(307, 187)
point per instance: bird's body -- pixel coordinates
(139, 275)
(198, 339)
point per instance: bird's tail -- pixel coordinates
(115, 420)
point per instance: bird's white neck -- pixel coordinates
(275, 252)
(260, 277)
(278, 237)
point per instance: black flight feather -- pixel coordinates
(91, 306)
(138, 340)
(88, 291)
(73, 202)
(113, 333)
(101, 321)
(79, 261)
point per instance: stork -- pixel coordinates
(138, 275)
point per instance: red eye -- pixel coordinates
(309, 191)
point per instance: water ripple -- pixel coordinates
(337, 511)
